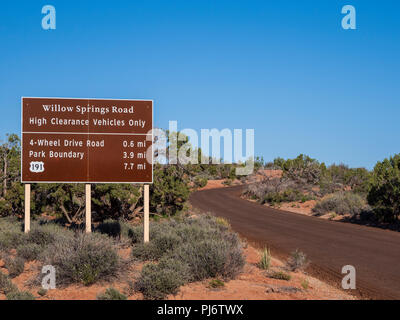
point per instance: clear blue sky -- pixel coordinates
(285, 68)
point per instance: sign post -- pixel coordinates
(68, 140)
(146, 213)
(27, 224)
(88, 216)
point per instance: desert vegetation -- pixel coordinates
(182, 250)
(338, 190)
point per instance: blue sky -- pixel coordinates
(285, 68)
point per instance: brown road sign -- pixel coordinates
(86, 140)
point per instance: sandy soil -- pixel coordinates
(306, 209)
(252, 284)
(213, 184)
(258, 176)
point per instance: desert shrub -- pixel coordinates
(170, 189)
(216, 284)
(29, 251)
(20, 295)
(156, 281)
(15, 266)
(203, 247)
(111, 294)
(384, 194)
(345, 202)
(278, 190)
(280, 275)
(11, 234)
(302, 169)
(337, 177)
(6, 285)
(136, 234)
(297, 260)
(210, 258)
(288, 195)
(265, 260)
(200, 181)
(84, 258)
(168, 235)
(47, 233)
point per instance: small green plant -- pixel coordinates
(42, 292)
(222, 222)
(20, 295)
(216, 284)
(280, 275)
(111, 294)
(265, 260)
(305, 284)
(297, 261)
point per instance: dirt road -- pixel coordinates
(375, 253)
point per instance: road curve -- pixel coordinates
(375, 253)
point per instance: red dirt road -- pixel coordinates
(375, 253)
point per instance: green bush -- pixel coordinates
(384, 194)
(84, 258)
(20, 295)
(15, 266)
(29, 251)
(345, 202)
(156, 281)
(163, 241)
(111, 294)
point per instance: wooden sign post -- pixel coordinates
(146, 213)
(88, 217)
(27, 224)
